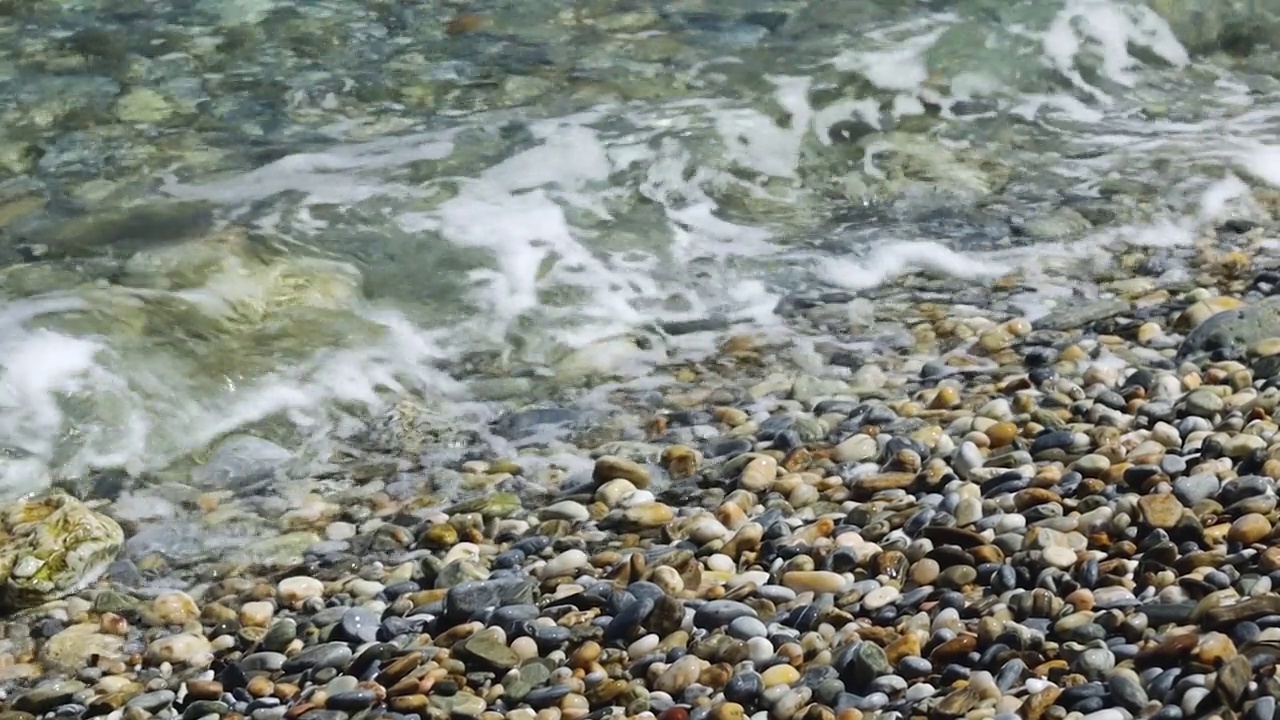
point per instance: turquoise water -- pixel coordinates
(224, 213)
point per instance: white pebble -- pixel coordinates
(645, 645)
(461, 551)
(566, 563)
(719, 562)
(612, 492)
(294, 591)
(565, 510)
(1059, 557)
(256, 614)
(360, 588)
(760, 649)
(639, 497)
(758, 577)
(880, 597)
(340, 531)
(1035, 686)
(183, 648)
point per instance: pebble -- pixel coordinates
(293, 591)
(181, 649)
(566, 563)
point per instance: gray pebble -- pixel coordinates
(745, 628)
(153, 701)
(719, 613)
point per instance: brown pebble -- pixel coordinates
(716, 676)
(1249, 529)
(1033, 497)
(1269, 559)
(399, 668)
(1271, 468)
(1161, 510)
(1081, 599)
(204, 689)
(1169, 652)
(679, 461)
(987, 554)
(728, 711)
(611, 467)
(467, 23)
(906, 646)
(946, 398)
(954, 649)
(260, 686)
(585, 655)
(818, 712)
(113, 624)
(302, 708)
(1035, 706)
(1002, 434)
(1214, 648)
(408, 704)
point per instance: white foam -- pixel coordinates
(1108, 29)
(900, 64)
(893, 260)
(700, 176)
(344, 174)
(37, 368)
(1262, 161)
(75, 404)
(1219, 196)
(754, 140)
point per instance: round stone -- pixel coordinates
(172, 608)
(293, 591)
(780, 675)
(1249, 529)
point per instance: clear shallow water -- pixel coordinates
(246, 214)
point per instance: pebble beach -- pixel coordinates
(1067, 518)
(959, 404)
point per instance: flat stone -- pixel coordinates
(72, 648)
(352, 700)
(293, 591)
(360, 624)
(1247, 609)
(565, 510)
(880, 597)
(1203, 403)
(1236, 328)
(719, 613)
(47, 695)
(328, 655)
(153, 701)
(566, 563)
(857, 448)
(1161, 510)
(490, 646)
(469, 598)
(612, 467)
(819, 581)
(1195, 488)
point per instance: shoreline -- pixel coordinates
(1063, 518)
